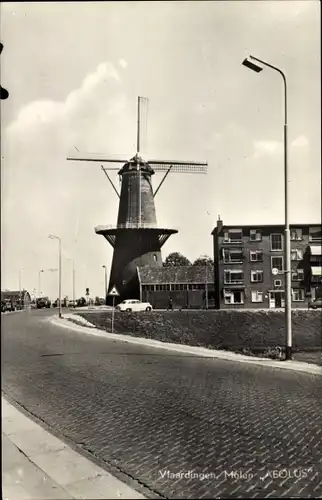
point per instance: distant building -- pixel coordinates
(186, 285)
(17, 296)
(245, 256)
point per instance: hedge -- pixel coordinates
(225, 329)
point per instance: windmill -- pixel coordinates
(136, 239)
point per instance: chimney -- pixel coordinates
(219, 224)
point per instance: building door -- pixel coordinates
(271, 300)
(278, 299)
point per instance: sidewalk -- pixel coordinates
(37, 465)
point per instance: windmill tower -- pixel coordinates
(136, 239)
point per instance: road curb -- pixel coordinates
(194, 350)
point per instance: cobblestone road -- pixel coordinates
(162, 418)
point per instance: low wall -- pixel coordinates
(232, 330)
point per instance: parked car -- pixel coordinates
(43, 302)
(72, 303)
(7, 305)
(81, 302)
(315, 303)
(133, 305)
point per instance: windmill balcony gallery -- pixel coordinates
(136, 238)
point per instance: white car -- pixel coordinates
(133, 305)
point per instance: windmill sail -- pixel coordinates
(142, 128)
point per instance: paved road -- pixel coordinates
(152, 414)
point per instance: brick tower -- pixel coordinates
(136, 239)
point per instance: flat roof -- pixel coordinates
(258, 226)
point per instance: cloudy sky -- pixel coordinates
(74, 71)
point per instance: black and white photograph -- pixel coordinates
(161, 249)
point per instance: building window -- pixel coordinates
(296, 254)
(196, 286)
(256, 276)
(233, 236)
(257, 296)
(298, 275)
(298, 294)
(179, 286)
(233, 256)
(234, 296)
(277, 283)
(234, 277)
(276, 242)
(316, 274)
(255, 235)
(163, 287)
(277, 263)
(296, 234)
(256, 256)
(315, 234)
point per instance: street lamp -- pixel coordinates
(20, 283)
(39, 276)
(105, 276)
(53, 237)
(73, 283)
(248, 62)
(73, 279)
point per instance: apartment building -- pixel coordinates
(249, 265)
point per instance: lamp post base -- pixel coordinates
(288, 353)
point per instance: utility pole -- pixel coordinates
(105, 283)
(53, 237)
(39, 282)
(73, 282)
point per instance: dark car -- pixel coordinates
(7, 305)
(81, 302)
(315, 303)
(43, 302)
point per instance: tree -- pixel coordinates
(204, 260)
(176, 259)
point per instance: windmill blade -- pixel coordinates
(142, 120)
(176, 162)
(102, 160)
(180, 167)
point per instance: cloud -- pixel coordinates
(300, 142)
(264, 148)
(123, 63)
(42, 192)
(44, 112)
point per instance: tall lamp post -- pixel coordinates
(248, 62)
(53, 237)
(73, 279)
(39, 281)
(20, 284)
(73, 283)
(105, 277)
